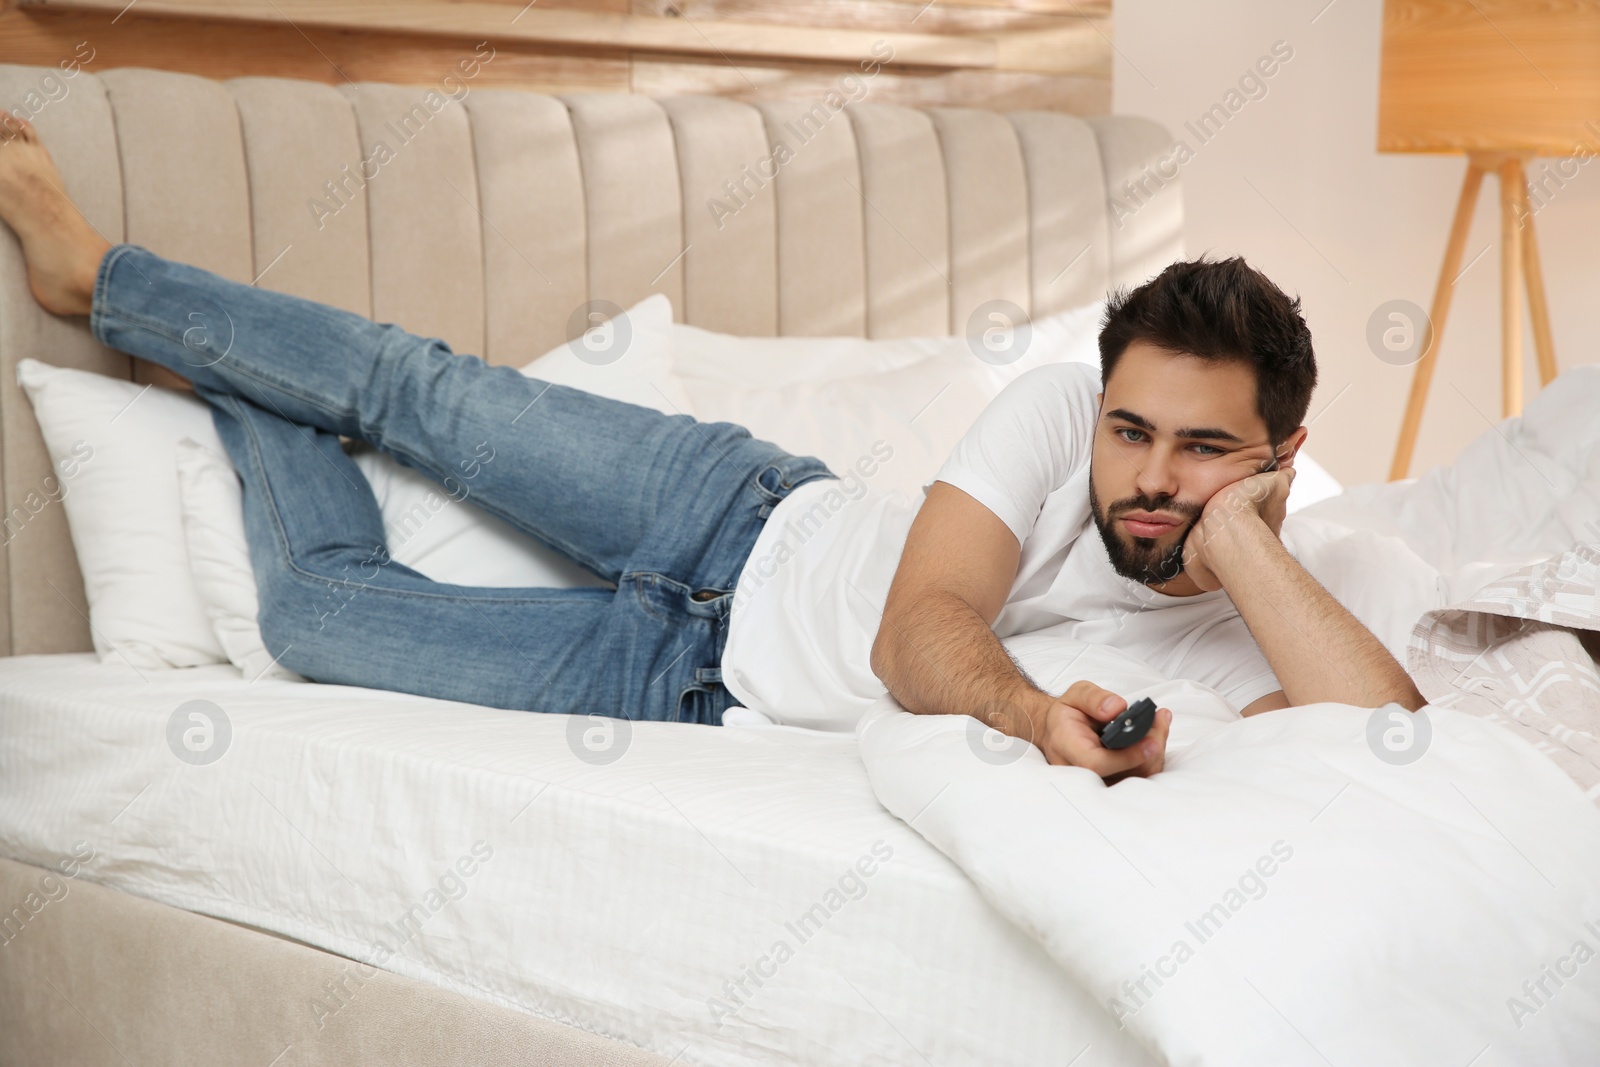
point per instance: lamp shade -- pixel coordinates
(1490, 75)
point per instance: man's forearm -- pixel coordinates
(938, 657)
(1318, 650)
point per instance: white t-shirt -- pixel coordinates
(809, 600)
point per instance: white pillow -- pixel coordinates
(908, 419)
(1377, 578)
(219, 556)
(123, 510)
(449, 539)
(628, 358)
(837, 398)
(1312, 483)
(452, 540)
(704, 355)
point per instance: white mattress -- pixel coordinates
(620, 898)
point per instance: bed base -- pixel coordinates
(98, 976)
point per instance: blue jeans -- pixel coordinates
(664, 506)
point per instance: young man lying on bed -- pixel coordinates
(1207, 372)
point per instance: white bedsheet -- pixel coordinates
(621, 899)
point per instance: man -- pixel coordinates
(1183, 463)
(672, 511)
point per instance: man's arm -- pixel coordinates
(937, 653)
(1318, 650)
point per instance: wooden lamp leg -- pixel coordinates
(1538, 310)
(1422, 377)
(1513, 187)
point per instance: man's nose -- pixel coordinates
(1158, 474)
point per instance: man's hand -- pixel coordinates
(1067, 731)
(1262, 496)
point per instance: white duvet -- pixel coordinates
(1280, 894)
(1324, 884)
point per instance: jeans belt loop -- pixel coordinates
(708, 674)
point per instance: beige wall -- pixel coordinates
(1293, 182)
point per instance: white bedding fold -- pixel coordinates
(1280, 894)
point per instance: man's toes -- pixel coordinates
(13, 126)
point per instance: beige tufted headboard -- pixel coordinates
(488, 221)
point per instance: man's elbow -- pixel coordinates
(1410, 697)
(881, 655)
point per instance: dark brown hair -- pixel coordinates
(1222, 310)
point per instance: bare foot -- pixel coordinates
(62, 250)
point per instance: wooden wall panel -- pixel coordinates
(1050, 55)
(1071, 40)
(222, 50)
(658, 75)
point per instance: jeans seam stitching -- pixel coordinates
(252, 442)
(644, 604)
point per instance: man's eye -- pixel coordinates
(1211, 450)
(1137, 434)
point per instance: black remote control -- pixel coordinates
(1130, 727)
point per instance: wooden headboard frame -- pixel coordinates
(495, 214)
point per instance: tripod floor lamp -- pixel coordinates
(1501, 82)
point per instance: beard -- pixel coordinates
(1142, 559)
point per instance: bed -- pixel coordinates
(357, 876)
(626, 913)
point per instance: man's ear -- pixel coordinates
(1291, 446)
